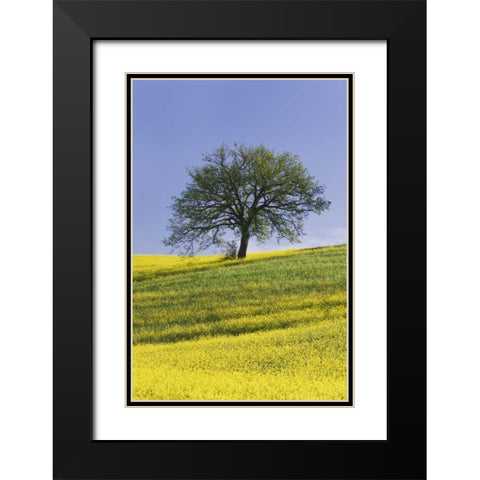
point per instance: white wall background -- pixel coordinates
(25, 243)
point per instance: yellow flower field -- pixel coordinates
(272, 326)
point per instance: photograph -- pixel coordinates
(239, 239)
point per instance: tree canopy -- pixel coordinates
(253, 192)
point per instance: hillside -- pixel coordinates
(269, 327)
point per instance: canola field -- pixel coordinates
(272, 326)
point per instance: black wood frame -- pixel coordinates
(77, 24)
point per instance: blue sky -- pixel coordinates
(176, 121)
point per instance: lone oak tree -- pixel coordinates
(251, 191)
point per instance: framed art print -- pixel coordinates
(323, 106)
(239, 239)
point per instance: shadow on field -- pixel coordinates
(229, 263)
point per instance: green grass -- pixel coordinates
(270, 327)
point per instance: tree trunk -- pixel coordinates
(242, 251)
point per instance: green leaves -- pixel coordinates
(250, 191)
